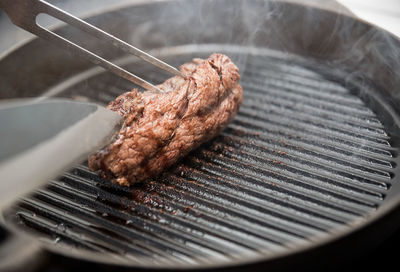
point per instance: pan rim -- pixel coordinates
(233, 260)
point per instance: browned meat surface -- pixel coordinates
(159, 129)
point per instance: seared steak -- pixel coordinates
(161, 128)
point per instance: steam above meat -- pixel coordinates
(161, 128)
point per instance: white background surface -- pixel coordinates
(384, 13)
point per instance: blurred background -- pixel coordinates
(384, 13)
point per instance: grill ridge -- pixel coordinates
(304, 186)
(275, 109)
(116, 202)
(276, 95)
(314, 139)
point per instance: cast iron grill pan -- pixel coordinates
(304, 158)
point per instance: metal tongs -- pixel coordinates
(23, 13)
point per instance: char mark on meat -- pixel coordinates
(161, 128)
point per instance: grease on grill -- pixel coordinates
(146, 194)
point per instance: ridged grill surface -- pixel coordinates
(303, 157)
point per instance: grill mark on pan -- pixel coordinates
(158, 216)
(171, 189)
(84, 172)
(341, 112)
(309, 184)
(308, 127)
(288, 134)
(259, 203)
(272, 108)
(309, 161)
(272, 80)
(114, 216)
(307, 151)
(145, 233)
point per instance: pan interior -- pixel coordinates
(304, 159)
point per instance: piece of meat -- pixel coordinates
(161, 128)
